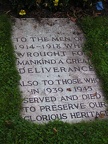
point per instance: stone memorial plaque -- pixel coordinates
(58, 81)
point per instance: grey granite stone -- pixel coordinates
(57, 80)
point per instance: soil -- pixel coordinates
(73, 12)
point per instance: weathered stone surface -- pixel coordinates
(57, 79)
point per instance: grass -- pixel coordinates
(96, 46)
(14, 129)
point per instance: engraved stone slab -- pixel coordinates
(57, 79)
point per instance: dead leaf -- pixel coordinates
(69, 89)
(8, 122)
(96, 14)
(73, 19)
(55, 130)
(95, 94)
(90, 54)
(38, 1)
(8, 11)
(102, 115)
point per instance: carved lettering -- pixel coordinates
(57, 78)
